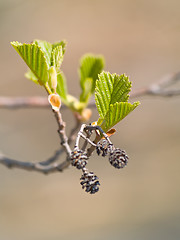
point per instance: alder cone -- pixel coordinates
(90, 182)
(103, 148)
(118, 158)
(79, 159)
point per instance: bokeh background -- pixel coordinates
(140, 38)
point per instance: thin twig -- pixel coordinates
(160, 88)
(87, 139)
(66, 163)
(50, 165)
(47, 166)
(88, 135)
(78, 136)
(62, 133)
(30, 166)
(23, 102)
(91, 127)
(14, 103)
(157, 89)
(53, 158)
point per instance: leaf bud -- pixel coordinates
(86, 114)
(53, 79)
(55, 101)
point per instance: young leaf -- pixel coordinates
(90, 67)
(46, 47)
(86, 93)
(116, 113)
(57, 57)
(52, 83)
(61, 86)
(111, 88)
(111, 96)
(53, 52)
(34, 58)
(40, 56)
(62, 43)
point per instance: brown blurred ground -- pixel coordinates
(139, 38)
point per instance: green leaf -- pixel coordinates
(86, 93)
(63, 44)
(57, 57)
(61, 86)
(53, 52)
(116, 113)
(34, 58)
(90, 67)
(111, 96)
(46, 48)
(110, 88)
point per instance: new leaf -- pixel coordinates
(35, 59)
(40, 56)
(90, 67)
(111, 96)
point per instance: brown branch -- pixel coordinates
(157, 89)
(160, 88)
(47, 166)
(23, 102)
(53, 158)
(30, 166)
(50, 165)
(62, 133)
(68, 141)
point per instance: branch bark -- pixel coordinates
(30, 166)
(159, 88)
(50, 165)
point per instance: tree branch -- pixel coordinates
(160, 88)
(62, 133)
(47, 166)
(157, 89)
(30, 166)
(23, 102)
(50, 165)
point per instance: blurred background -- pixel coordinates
(139, 38)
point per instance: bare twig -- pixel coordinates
(66, 163)
(62, 133)
(53, 158)
(160, 88)
(23, 102)
(80, 134)
(30, 166)
(47, 166)
(50, 165)
(60, 151)
(157, 89)
(88, 135)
